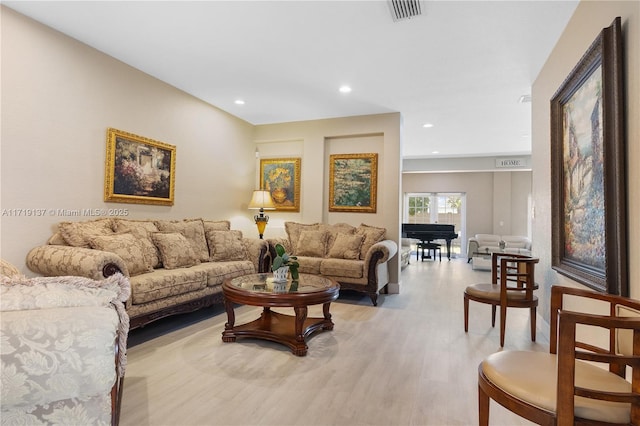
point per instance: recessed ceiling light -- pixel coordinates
(239, 102)
(435, 152)
(427, 125)
(345, 89)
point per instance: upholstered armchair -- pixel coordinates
(64, 345)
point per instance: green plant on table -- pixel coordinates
(285, 259)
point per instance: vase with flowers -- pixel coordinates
(279, 179)
(284, 263)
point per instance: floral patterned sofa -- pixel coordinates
(63, 352)
(174, 266)
(356, 257)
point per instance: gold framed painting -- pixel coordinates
(139, 170)
(353, 181)
(281, 177)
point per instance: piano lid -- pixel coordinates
(433, 230)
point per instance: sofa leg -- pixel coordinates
(374, 298)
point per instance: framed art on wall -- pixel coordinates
(138, 169)
(588, 185)
(353, 181)
(281, 177)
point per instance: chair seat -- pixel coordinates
(536, 383)
(430, 245)
(492, 291)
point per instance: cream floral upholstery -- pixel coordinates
(58, 358)
(346, 246)
(80, 234)
(173, 267)
(371, 235)
(128, 247)
(356, 257)
(193, 230)
(225, 245)
(312, 243)
(142, 229)
(175, 250)
(57, 260)
(7, 269)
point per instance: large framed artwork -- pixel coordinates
(281, 177)
(138, 169)
(353, 181)
(588, 183)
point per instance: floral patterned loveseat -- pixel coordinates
(356, 257)
(174, 266)
(63, 352)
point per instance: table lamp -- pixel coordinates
(261, 200)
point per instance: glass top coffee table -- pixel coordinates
(260, 290)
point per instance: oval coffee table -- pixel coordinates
(260, 290)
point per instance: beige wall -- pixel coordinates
(492, 197)
(58, 99)
(314, 141)
(585, 25)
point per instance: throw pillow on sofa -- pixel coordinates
(141, 229)
(335, 229)
(193, 231)
(175, 250)
(371, 235)
(294, 229)
(312, 243)
(225, 245)
(57, 240)
(79, 234)
(346, 246)
(128, 247)
(216, 225)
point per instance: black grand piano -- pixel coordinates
(427, 232)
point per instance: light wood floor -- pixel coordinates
(406, 362)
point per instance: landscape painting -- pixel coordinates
(353, 180)
(139, 170)
(583, 175)
(588, 177)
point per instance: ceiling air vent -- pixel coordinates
(404, 9)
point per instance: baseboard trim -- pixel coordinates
(393, 288)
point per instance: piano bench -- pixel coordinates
(430, 248)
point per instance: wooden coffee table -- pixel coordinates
(260, 290)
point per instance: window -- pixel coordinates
(438, 207)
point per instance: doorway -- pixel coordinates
(438, 207)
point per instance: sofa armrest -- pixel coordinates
(472, 247)
(272, 248)
(89, 311)
(257, 252)
(54, 260)
(380, 252)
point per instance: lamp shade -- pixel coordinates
(261, 200)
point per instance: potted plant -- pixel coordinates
(286, 261)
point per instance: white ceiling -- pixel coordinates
(461, 66)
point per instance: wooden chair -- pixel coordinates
(512, 285)
(568, 386)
